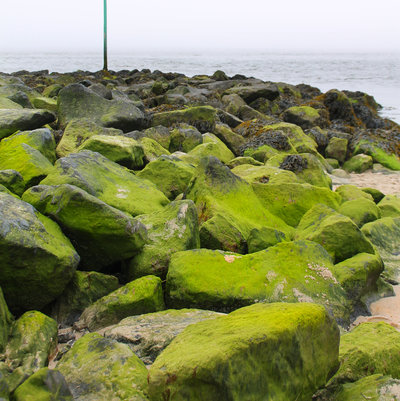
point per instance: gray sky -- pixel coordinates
(302, 25)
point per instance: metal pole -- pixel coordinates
(105, 67)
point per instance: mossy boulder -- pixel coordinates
(389, 160)
(75, 101)
(253, 91)
(263, 238)
(44, 385)
(377, 195)
(174, 229)
(6, 103)
(238, 161)
(232, 140)
(289, 271)
(201, 117)
(108, 181)
(102, 234)
(290, 201)
(228, 209)
(32, 340)
(385, 235)
(77, 132)
(149, 334)
(159, 133)
(264, 174)
(170, 174)
(358, 275)
(339, 106)
(120, 149)
(98, 368)
(13, 120)
(389, 206)
(358, 164)
(12, 180)
(360, 210)
(152, 149)
(46, 103)
(337, 149)
(301, 342)
(5, 321)
(306, 116)
(34, 255)
(84, 289)
(351, 192)
(143, 295)
(370, 348)
(338, 234)
(4, 390)
(211, 146)
(184, 138)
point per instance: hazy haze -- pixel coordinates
(291, 25)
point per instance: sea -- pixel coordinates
(377, 74)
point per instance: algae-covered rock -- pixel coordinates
(101, 369)
(251, 92)
(305, 116)
(143, 295)
(33, 338)
(77, 132)
(390, 206)
(184, 138)
(221, 196)
(4, 390)
(160, 134)
(339, 106)
(170, 174)
(5, 321)
(13, 120)
(171, 230)
(42, 102)
(350, 192)
(37, 259)
(388, 160)
(300, 341)
(263, 238)
(238, 161)
(358, 163)
(358, 275)
(338, 234)
(385, 235)
(76, 101)
(152, 149)
(370, 348)
(232, 140)
(290, 201)
(375, 193)
(84, 289)
(117, 148)
(147, 335)
(337, 149)
(289, 271)
(108, 181)
(360, 210)
(201, 117)
(264, 174)
(44, 385)
(12, 180)
(102, 234)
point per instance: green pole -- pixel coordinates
(105, 67)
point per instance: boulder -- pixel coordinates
(337, 149)
(293, 348)
(149, 334)
(360, 210)
(34, 255)
(108, 181)
(12, 180)
(264, 174)
(102, 234)
(84, 289)
(5, 321)
(249, 93)
(101, 369)
(227, 207)
(385, 235)
(363, 352)
(238, 161)
(385, 158)
(143, 295)
(289, 271)
(44, 385)
(232, 140)
(338, 234)
(152, 149)
(375, 193)
(77, 132)
(171, 230)
(339, 107)
(76, 101)
(306, 116)
(290, 201)
(33, 338)
(13, 120)
(43, 102)
(184, 138)
(119, 149)
(262, 238)
(159, 133)
(351, 192)
(389, 206)
(201, 117)
(170, 175)
(358, 164)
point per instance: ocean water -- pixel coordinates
(377, 74)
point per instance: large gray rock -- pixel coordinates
(37, 260)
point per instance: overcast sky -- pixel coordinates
(293, 25)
